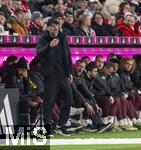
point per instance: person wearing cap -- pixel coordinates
(92, 7)
(17, 22)
(37, 23)
(127, 26)
(20, 78)
(56, 67)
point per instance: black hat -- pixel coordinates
(52, 21)
(22, 63)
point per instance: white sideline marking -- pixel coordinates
(93, 141)
(90, 141)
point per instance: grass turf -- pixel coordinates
(124, 134)
(97, 147)
(76, 147)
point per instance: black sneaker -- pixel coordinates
(105, 127)
(63, 131)
(75, 127)
(90, 129)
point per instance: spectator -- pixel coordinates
(60, 19)
(92, 7)
(17, 22)
(81, 4)
(84, 26)
(133, 5)
(2, 22)
(7, 8)
(47, 9)
(60, 8)
(37, 23)
(123, 8)
(68, 26)
(127, 26)
(111, 27)
(28, 23)
(8, 27)
(111, 7)
(138, 8)
(17, 4)
(98, 25)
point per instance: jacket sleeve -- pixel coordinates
(35, 77)
(67, 54)
(11, 81)
(77, 94)
(43, 47)
(82, 87)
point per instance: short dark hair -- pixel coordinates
(98, 56)
(85, 57)
(52, 21)
(11, 58)
(91, 66)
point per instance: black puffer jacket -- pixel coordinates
(83, 89)
(101, 88)
(68, 29)
(115, 83)
(126, 80)
(136, 78)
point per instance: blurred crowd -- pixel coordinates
(76, 17)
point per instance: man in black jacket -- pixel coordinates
(56, 67)
(86, 99)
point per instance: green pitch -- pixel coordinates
(125, 134)
(77, 147)
(97, 147)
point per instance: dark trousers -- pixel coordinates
(96, 120)
(57, 89)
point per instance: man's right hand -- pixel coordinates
(54, 42)
(90, 109)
